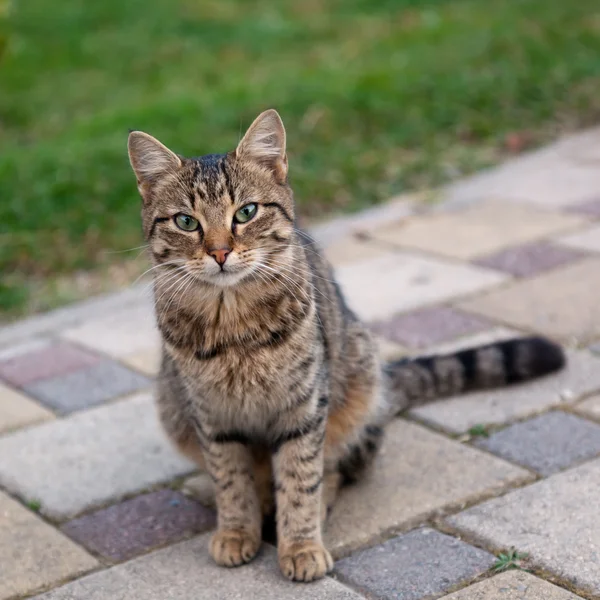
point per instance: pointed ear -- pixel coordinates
(264, 143)
(150, 159)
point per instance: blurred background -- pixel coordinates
(379, 97)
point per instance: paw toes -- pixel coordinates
(306, 562)
(233, 548)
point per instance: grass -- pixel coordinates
(509, 560)
(379, 97)
(34, 505)
(479, 430)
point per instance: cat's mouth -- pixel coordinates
(225, 277)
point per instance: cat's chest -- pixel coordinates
(235, 374)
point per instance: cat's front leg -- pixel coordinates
(298, 471)
(238, 535)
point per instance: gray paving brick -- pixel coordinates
(548, 443)
(89, 458)
(422, 563)
(125, 530)
(87, 387)
(185, 572)
(555, 520)
(460, 413)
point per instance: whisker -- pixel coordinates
(128, 250)
(178, 261)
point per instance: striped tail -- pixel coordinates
(416, 381)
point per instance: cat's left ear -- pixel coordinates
(264, 143)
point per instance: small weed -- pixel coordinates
(34, 505)
(479, 431)
(509, 560)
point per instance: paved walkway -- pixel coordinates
(95, 505)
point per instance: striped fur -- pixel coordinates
(268, 380)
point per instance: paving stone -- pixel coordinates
(513, 585)
(351, 249)
(16, 410)
(430, 326)
(46, 362)
(419, 564)
(548, 443)
(588, 239)
(547, 177)
(389, 350)
(589, 208)
(26, 346)
(495, 334)
(145, 361)
(417, 474)
(558, 303)
(458, 414)
(477, 231)
(33, 554)
(186, 572)
(555, 520)
(530, 259)
(119, 334)
(125, 530)
(90, 458)
(399, 281)
(87, 387)
(589, 407)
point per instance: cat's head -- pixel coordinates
(220, 218)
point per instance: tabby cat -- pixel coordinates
(268, 380)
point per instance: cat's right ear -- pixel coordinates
(150, 160)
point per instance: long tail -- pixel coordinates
(415, 381)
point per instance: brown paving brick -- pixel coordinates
(477, 231)
(135, 526)
(16, 410)
(32, 553)
(350, 250)
(513, 585)
(430, 326)
(146, 361)
(49, 361)
(530, 259)
(589, 407)
(389, 350)
(561, 303)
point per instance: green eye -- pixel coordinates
(186, 222)
(245, 213)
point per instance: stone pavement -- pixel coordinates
(95, 504)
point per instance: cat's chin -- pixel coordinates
(224, 279)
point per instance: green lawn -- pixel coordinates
(379, 97)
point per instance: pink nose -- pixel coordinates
(220, 254)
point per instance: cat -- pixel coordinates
(268, 380)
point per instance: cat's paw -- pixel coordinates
(305, 561)
(233, 547)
